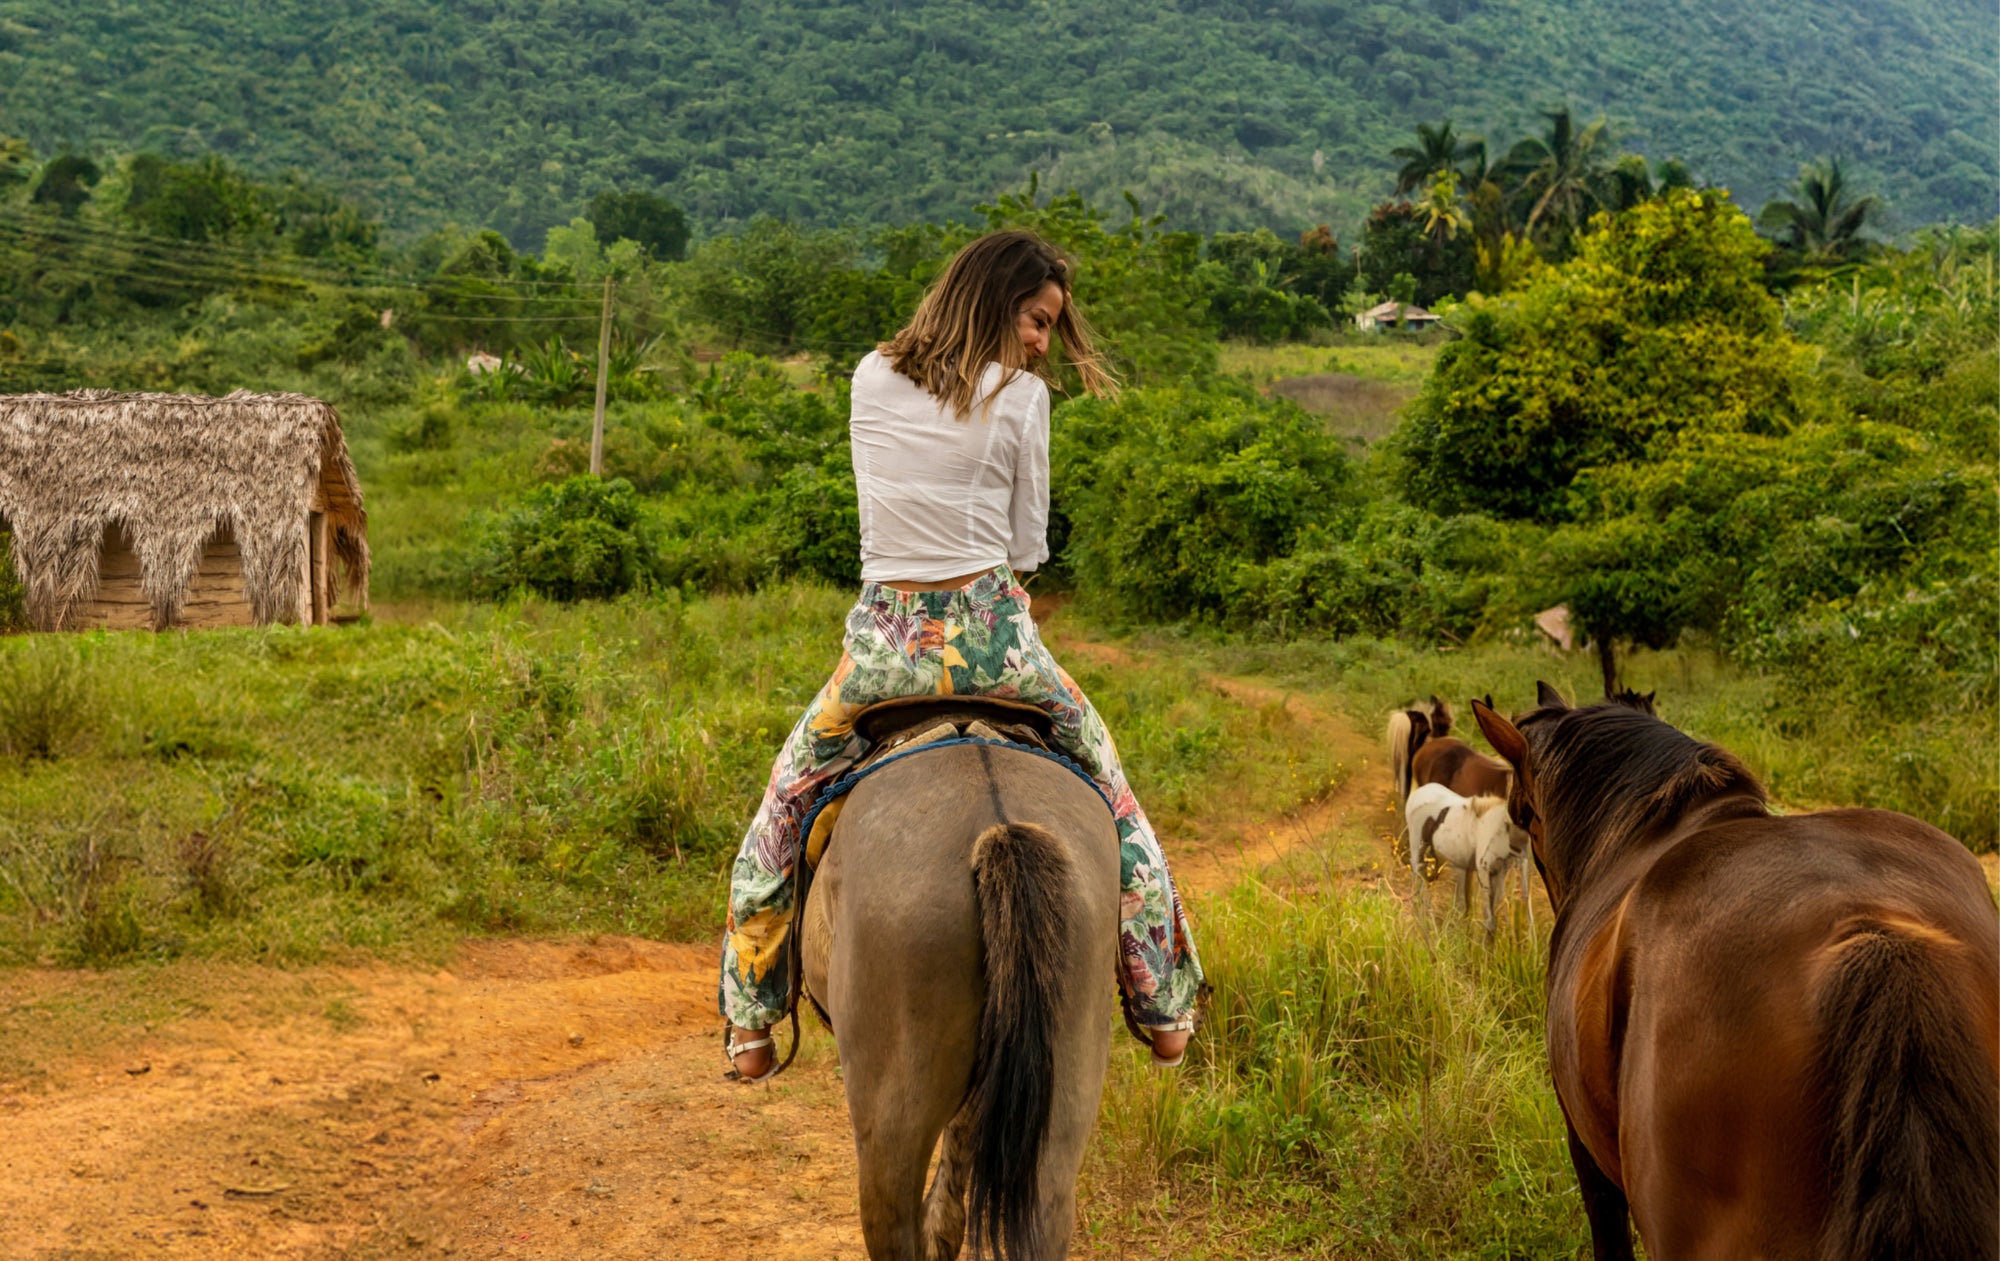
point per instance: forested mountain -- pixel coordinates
(1225, 114)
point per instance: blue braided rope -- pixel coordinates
(845, 784)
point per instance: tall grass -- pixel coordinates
(285, 792)
(46, 700)
(1361, 1089)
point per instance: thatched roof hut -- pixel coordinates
(162, 510)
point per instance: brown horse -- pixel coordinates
(1771, 1036)
(1422, 751)
(961, 935)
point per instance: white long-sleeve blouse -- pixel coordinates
(943, 495)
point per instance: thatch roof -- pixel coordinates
(172, 469)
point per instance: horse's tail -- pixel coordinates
(1026, 914)
(1440, 717)
(1408, 729)
(1913, 1152)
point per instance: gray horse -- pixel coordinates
(961, 934)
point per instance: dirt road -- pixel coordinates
(535, 1099)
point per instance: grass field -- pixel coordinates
(1394, 358)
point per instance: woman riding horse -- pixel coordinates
(950, 436)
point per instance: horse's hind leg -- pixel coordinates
(894, 1135)
(944, 1206)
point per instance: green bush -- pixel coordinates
(1395, 570)
(581, 539)
(1174, 498)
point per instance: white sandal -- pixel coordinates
(732, 1048)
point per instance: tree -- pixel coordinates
(763, 287)
(1661, 323)
(1396, 241)
(1823, 225)
(66, 183)
(651, 220)
(1250, 279)
(1436, 150)
(1559, 178)
(1319, 270)
(204, 200)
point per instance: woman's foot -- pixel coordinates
(751, 1053)
(1169, 1046)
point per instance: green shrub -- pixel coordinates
(430, 430)
(581, 539)
(1173, 498)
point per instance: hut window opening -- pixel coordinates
(216, 596)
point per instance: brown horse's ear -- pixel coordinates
(1546, 696)
(1504, 736)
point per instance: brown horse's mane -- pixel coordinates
(1607, 775)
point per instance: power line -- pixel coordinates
(197, 277)
(259, 264)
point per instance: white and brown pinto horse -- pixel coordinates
(1771, 1037)
(1471, 835)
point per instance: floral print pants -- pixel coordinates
(975, 641)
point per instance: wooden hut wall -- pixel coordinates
(215, 595)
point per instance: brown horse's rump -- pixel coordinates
(1773, 1037)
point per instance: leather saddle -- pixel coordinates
(909, 720)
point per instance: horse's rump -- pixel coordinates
(1843, 974)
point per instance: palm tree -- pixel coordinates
(1443, 216)
(1437, 149)
(1822, 225)
(1559, 176)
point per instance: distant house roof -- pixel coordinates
(1555, 624)
(1387, 312)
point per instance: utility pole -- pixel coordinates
(603, 381)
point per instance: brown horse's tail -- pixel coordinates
(1440, 717)
(1913, 1149)
(1408, 729)
(1026, 912)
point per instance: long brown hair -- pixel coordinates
(967, 321)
